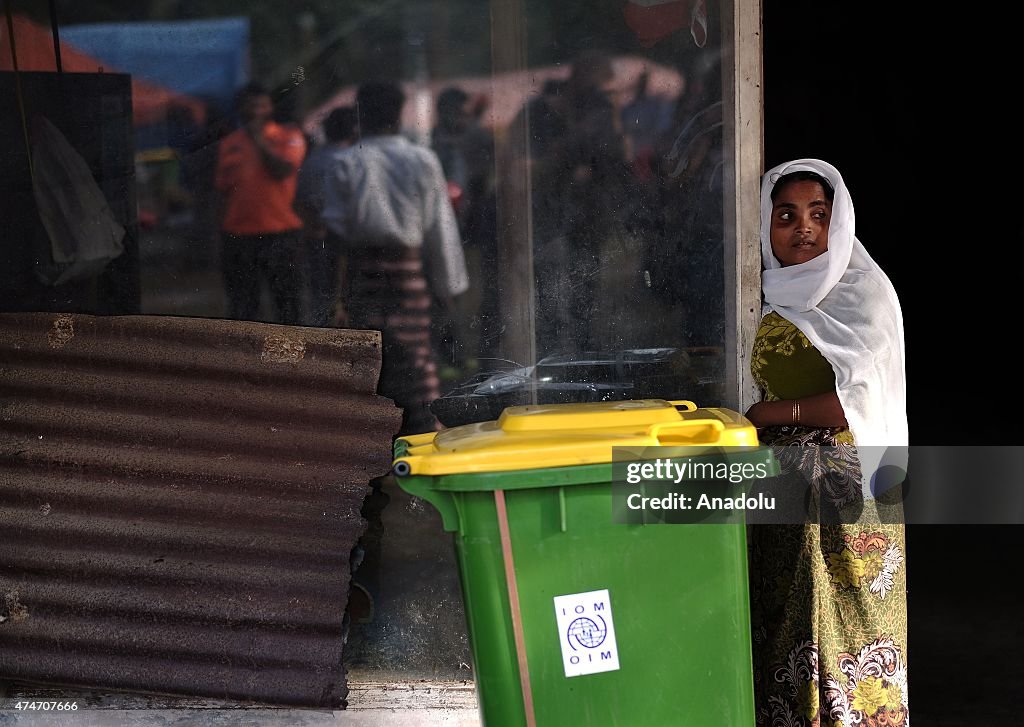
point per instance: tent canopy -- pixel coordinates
(34, 46)
(506, 92)
(207, 58)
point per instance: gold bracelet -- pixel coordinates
(796, 411)
(793, 415)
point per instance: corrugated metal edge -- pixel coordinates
(180, 499)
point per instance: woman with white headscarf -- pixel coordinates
(828, 599)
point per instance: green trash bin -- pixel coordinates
(575, 619)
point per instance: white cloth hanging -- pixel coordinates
(84, 236)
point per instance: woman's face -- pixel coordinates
(800, 217)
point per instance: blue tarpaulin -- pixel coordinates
(206, 58)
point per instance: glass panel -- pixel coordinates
(603, 277)
(582, 148)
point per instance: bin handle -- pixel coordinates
(690, 406)
(655, 430)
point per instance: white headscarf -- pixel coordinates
(845, 304)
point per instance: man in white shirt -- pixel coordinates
(386, 199)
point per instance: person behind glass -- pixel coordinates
(447, 140)
(579, 176)
(685, 225)
(386, 200)
(828, 599)
(480, 219)
(644, 120)
(466, 150)
(341, 129)
(256, 175)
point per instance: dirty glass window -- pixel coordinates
(543, 220)
(581, 146)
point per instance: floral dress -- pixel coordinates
(828, 598)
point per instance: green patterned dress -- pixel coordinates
(828, 601)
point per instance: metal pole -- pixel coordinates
(56, 35)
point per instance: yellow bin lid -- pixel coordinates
(563, 435)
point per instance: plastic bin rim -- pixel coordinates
(529, 478)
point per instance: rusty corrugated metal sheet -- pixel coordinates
(179, 499)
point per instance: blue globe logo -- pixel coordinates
(587, 633)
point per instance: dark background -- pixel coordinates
(914, 104)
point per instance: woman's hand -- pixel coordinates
(760, 414)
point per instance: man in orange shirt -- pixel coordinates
(257, 171)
